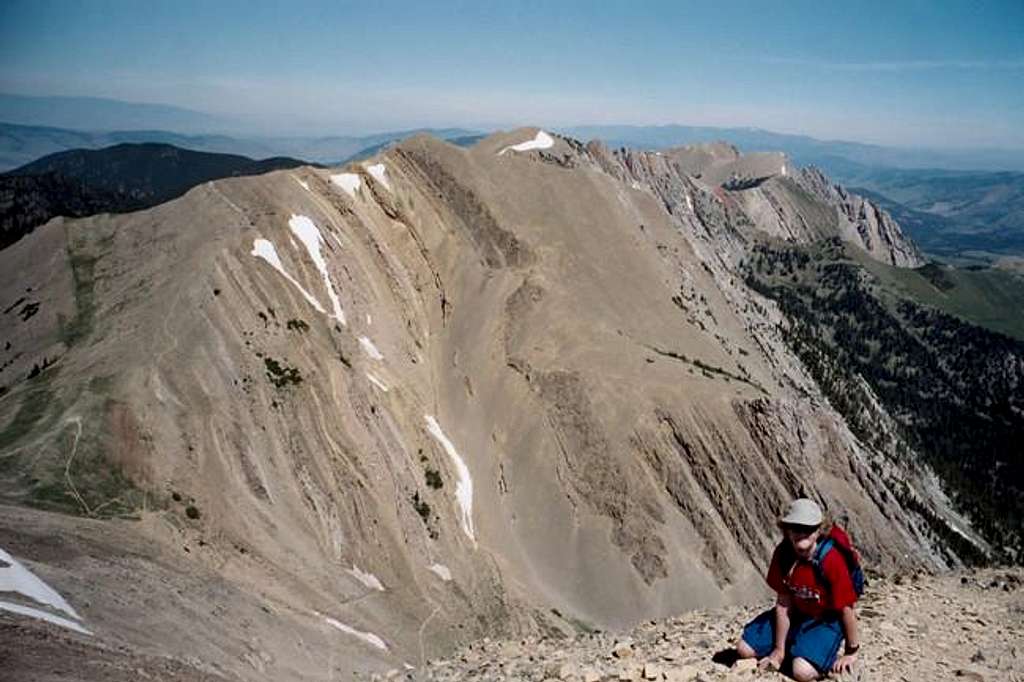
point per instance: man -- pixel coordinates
(813, 612)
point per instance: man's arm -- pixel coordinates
(778, 654)
(842, 598)
(852, 636)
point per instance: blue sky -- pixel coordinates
(912, 73)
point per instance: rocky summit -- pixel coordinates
(967, 626)
(320, 423)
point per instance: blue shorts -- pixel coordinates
(816, 641)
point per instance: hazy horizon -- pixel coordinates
(916, 75)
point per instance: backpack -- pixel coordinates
(835, 539)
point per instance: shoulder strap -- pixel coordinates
(823, 547)
(819, 556)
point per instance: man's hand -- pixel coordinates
(772, 661)
(844, 663)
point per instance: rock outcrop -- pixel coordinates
(862, 222)
(914, 628)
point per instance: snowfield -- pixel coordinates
(541, 141)
(464, 487)
(379, 173)
(349, 182)
(263, 248)
(16, 579)
(43, 615)
(307, 231)
(442, 571)
(370, 349)
(368, 579)
(377, 382)
(367, 637)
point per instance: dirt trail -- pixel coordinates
(77, 421)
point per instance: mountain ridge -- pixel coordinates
(124, 177)
(832, 154)
(981, 234)
(441, 394)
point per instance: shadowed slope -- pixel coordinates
(125, 177)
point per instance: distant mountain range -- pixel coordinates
(125, 177)
(111, 121)
(965, 205)
(836, 157)
(100, 114)
(21, 144)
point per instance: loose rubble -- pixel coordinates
(967, 626)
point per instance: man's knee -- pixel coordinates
(804, 671)
(745, 650)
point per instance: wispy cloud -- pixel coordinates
(903, 65)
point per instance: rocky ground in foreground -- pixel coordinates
(967, 626)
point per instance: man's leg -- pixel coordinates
(744, 649)
(815, 646)
(758, 636)
(804, 671)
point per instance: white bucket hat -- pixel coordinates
(802, 512)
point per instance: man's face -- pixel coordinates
(803, 539)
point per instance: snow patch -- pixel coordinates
(464, 487)
(368, 579)
(689, 202)
(379, 173)
(305, 185)
(541, 141)
(377, 382)
(16, 579)
(262, 248)
(349, 182)
(442, 571)
(783, 171)
(367, 637)
(43, 615)
(369, 348)
(369, 320)
(307, 231)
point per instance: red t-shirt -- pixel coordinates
(809, 595)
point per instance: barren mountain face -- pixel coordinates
(318, 421)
